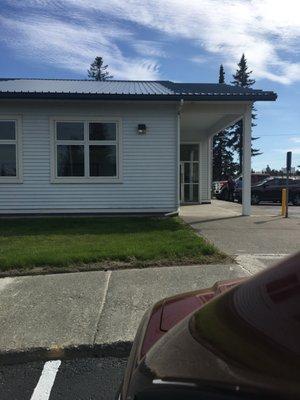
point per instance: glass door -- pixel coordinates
(189, 173)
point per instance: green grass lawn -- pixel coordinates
(73, 242)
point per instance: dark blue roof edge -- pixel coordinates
(262, 96)
(83, 80)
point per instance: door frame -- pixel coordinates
(199, 171)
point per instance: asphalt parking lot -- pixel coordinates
(84, 379)
(274, 209)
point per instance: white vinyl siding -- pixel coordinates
(148, 161)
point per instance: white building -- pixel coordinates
(80, 146)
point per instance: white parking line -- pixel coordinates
(43, 388)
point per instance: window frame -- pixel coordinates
(17, 119)
(86, 142)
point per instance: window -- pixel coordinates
(86, 151)
(189, 152)
(10, 156)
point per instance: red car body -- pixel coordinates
(239, 339)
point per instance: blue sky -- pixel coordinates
(166, 39)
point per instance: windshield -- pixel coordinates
(264, 181)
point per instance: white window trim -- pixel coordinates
(18, 142)
(86, 120)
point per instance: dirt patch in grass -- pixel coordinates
(114, 265)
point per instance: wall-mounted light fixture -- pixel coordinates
(142, 129)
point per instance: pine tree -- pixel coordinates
(98, 71)
(242, 75)
(268, 169)
(221, 74)
(242, 78)
(223, 162)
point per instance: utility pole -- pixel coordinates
(288, 170)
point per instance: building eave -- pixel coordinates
(250, 97)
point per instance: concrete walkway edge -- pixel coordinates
(89, 313)
(117, 350)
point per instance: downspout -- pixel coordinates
(178, 152)
(179, 108)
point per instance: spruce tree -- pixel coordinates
(221, 74)
(98, 71)
(268, 169)
(242, 75)
(223, 162)
(242, 78)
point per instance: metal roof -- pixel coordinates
(126, 90)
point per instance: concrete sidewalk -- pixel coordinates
(265, 232)
(51, 314)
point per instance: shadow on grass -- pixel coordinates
(86, 226)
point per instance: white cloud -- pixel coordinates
(260, 28)
(295, 139)
(198, 59)
(294, 150)
(148, 48)
(73, 46)
(268, 31)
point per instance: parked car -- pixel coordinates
(238, 340)
(271, 190)
(220, 188)
(256, 178)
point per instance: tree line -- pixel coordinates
(278, 172)
(227, 143)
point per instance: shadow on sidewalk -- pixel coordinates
(212, 219)
(273, 218)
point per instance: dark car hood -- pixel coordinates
(246, 339)
(170, 311)
(176, 308)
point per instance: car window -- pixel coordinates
(266, 181)
(258, 178)
(282, 181)
(279, 181)
(269, 182)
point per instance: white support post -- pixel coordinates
(210, 167)
(247, 119)
(178, 177)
